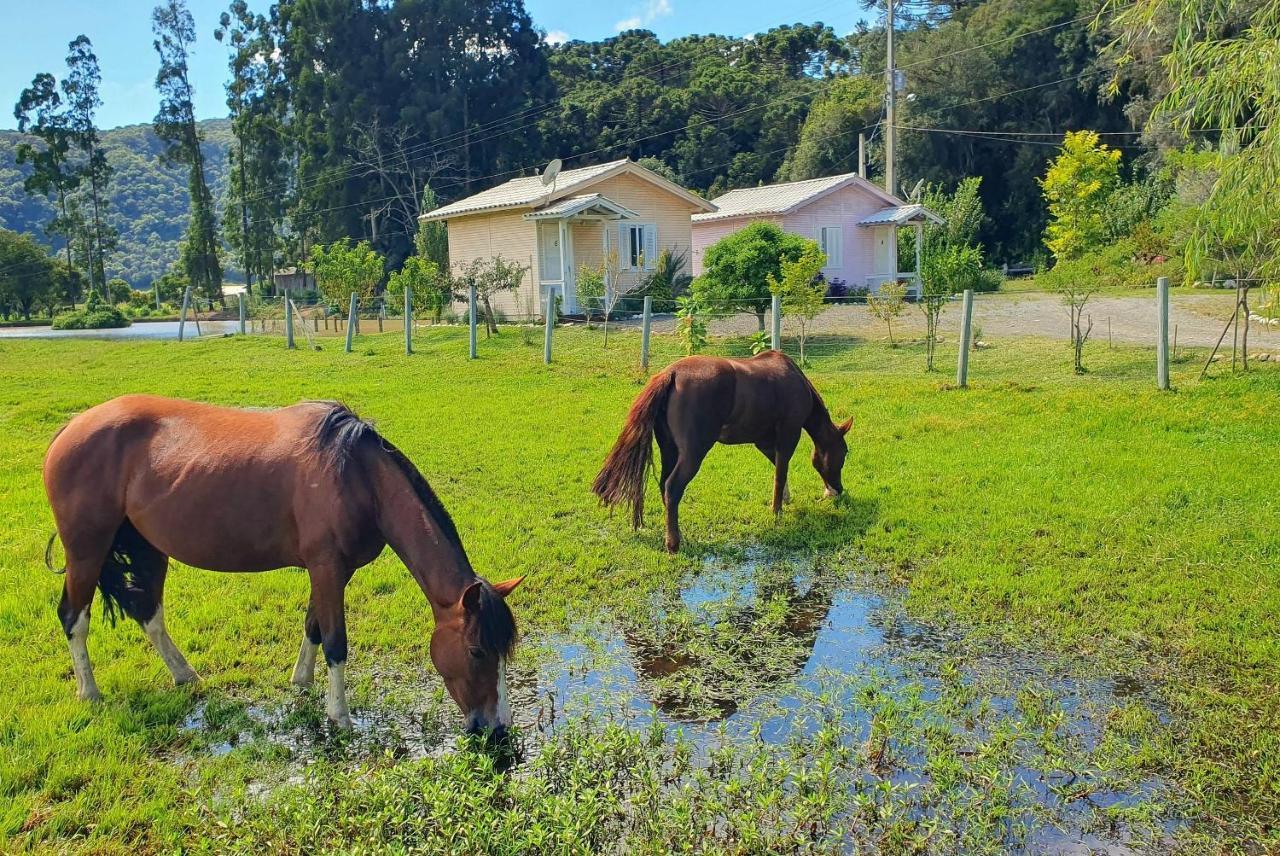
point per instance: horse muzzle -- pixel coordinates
(831, 493)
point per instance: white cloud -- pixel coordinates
(556, 37)
(652, 11)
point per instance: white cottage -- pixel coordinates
(854, 222)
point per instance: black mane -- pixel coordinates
(338, 436)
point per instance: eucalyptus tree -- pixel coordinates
(40, 112)
(80, 91)
(175, 124)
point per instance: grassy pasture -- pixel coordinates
(1090, 518)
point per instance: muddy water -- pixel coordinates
(752, 648)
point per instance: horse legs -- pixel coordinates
(782, 463)
(86, 552)
(304, 670)
(669, 452)
(673, 489)
(150, 567)
(768, 450)
(327, 585)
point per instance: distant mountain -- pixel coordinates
(149, 201)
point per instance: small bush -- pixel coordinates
(101, 318)
(988, 279)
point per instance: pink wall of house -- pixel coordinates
(843, 208)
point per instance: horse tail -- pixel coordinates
(127, 575)
(48, 554)
(623, 476)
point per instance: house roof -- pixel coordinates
(787, 197)
(529, 192)
(900, 215)
(592, 202)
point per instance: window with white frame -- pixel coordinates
(829, 240)
(637, 246)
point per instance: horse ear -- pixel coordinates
(506, 587)
(844, 426)
(471, 597)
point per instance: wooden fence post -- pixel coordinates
(551, 323)
(775, 340)
(471, 314)
(351, 320)
(288, 320)
(408, 319)
(1162, 333)
(966, 336)
(242, 313)
(182, 318)
(644, 333)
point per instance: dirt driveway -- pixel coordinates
(1198, 319)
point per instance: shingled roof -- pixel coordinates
(784, 198)
(530, 192)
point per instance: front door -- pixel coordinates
(885, 258)
(549, 267)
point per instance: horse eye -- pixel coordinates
(478, 653)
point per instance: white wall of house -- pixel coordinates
(856, 258)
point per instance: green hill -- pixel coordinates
(149, 200)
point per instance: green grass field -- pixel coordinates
(1086, 520)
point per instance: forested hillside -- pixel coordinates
(149, 200)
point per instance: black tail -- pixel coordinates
(126, 580)
(622, 478)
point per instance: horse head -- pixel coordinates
(470, 646)
(829, 453)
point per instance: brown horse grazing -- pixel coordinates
(141, 478)
(698, 401)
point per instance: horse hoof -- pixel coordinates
(91, 695)
(343, 722)
(301, 682)
(186, 679)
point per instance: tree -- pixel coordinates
(422, 275)
(604, 286)
(1075, 280)
(118, 291)
(668, 280)
(27, 274)
(738, 267)
(80, 90)
(490, 277)
(432, 240)
(175, 123)
(1077, 188)
(40, 111)
(831, 126)
(946, 272)
(342, 269)
(802, 290)
(887, 303)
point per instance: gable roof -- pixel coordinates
(529, 192)
(571, 205)
(899, 215)
(787, 197)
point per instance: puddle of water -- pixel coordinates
(758, 650)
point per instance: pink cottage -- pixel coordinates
(854, 222)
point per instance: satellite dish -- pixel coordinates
(549, 174)
(914, 195)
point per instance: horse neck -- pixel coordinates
(819, 425)
(436, 561)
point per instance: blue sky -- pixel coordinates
(121, 34)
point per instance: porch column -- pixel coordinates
(564, 268)
(919, 257)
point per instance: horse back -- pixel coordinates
(739, 400)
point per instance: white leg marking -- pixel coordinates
(337, 698)
(504, 706)
(304, 671)
(86, 688)
(159, 636)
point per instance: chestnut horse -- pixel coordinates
(697, 401)
(140, 478)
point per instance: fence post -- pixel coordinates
(1162, 333)
(241, 313)
(288, 320)
(551, 323)
(775, 340)
(408, 319)
(182, 318)
(644, 333)
(351, 321)
(966, 337)
(471, 312)
(155, 286)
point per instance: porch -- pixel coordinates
(884, 225)
(570, 233)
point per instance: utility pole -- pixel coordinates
(862, 155)
(891, 95)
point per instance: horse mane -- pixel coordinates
(338, 436)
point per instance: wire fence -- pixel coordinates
(655, 333)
